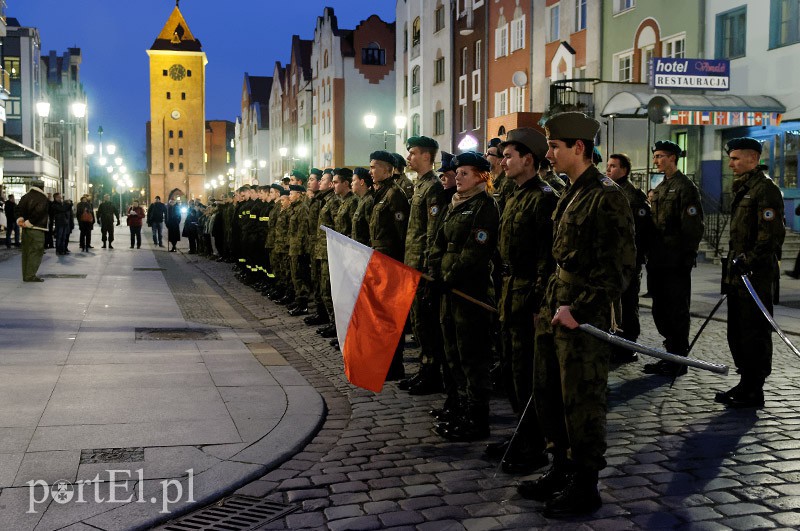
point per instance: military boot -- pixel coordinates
(548, 484)
(578, 498)
(472, 425)
(329, 331)
(300, 308)
(316, 319)
(287, 299)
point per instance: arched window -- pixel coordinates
(180, 166)
(171, 166)
(415, 80)
(180, 151)
(372, 54)
(325, 59)
(416, 32)
(501, 131)
(415, 125)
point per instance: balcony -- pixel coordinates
(572, 95)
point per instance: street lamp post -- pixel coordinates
(78, 111)
(370, 121)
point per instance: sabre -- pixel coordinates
(766, 313)
(656, 353)
(697, 335)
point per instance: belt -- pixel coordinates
(568, 277)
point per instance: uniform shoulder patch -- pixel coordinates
(768, 214)
(481, 236)
(691, 210)
(434, 210)
(399, 216)
(546, 188)
(642, 212)
(607, 181)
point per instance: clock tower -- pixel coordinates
(176, 132)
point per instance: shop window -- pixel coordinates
(791, 153)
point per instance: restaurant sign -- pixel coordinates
(700, 74)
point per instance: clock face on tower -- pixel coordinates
(177, 72)
(175, 114)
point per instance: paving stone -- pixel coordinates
(423, 502)
(387, 494)
(343, 511)
(360, 523)
(481, 524)
(294, 484)
(440, 525)
(423, 490)
(299, 495)
(445, 512)
(328, 479)
(305, 520)
(745, 523)
(349, 486)
(349, 498)
(401, 518)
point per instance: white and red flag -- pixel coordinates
(372, 294)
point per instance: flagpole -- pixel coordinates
(464, 296)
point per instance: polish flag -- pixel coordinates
(372, 295)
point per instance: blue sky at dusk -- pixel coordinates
(237, 35)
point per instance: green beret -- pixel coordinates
(422, 141)
(284, 191)
(327, 170)
(597, 158)
(571, 126)
(276, 186)
(384, 156)
(297, 188)
(399, 161)
(744, 142)
(447, 162)
(471, 158)
(300, 176)
(528, 137)
(315, 171)
(669, 147)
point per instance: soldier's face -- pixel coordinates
(448, 179)
(285, 200)
(326, 183)
(379, 170)
(293, 180)
(295, 196)
(417, 160)
(273, 194)
(495, 159)
(664, 161)
(614, 171)
(340, 186)
(562, 158)
(467, 178)
(313, 182)
(513, 164)
(742, 161)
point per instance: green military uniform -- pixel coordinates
(343, 219)
(460, 259)
(298, 246)
(281, 251)
(425, 210)
(757, 234)
(503, 187)
(555, 182)
(360, 232)
(314, 206)
(678, 220)
(593, 246)
(406, 185)
(326, 213)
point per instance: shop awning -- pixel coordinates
(11, 149)
(700, 109)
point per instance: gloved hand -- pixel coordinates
(741, 266)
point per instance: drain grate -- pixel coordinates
(112, 455)
(167, 334)
(237, 513)
(149, 268)
(62, 275)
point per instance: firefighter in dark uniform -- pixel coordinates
(618, 169)
(678, 219)
(387, 228)
(460, 259)
(757, 234)
(595, 254)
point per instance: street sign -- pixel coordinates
(700, 74)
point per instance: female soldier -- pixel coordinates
(464, 245)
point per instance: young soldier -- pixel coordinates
(314, 206)
(326, 213)
(298, 258)
(362, 187)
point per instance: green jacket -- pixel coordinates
(405, 184)
(343, 218)
(642, 218)
(678, 219)
(388, 220)
(314, 206)
(360, 232)
(298, 228)
(281, 241)
(503, 187)
(326, 213)
(425, 208)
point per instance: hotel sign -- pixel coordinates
(700, 74)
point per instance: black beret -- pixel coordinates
(528, 137)
(284, 191)
(297, 174)
(494, 142)
(297, 188)
(384, 156)
(669, 147)
(471, 158)
(571, 125)
(422, 141)
(315, 171)
(399, 161)
(447, 162)
(744, 142)
(347, 173)
(361, 172)
(327, 170)
(277, 187)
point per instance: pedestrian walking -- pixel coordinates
(757, 233)
(107, 211)
(32, 216)
(135, 215)
(156, 216)
(86, 220)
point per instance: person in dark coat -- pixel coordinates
(9, 206)
(135, 216)
(71, 215)
(85, 214)
(107, 211)
(59, 217)
(173, 224)
(156, 215)
(190, 227)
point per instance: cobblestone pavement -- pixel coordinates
(675, 458)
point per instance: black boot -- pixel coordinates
(329, 332)
(578, 498)
(316, 319)
(300, 308)
(429, 383)
(472, 425)
(287, 299)
(554, 480)
(524, 457)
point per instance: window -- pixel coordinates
(171, 152)
(675, 47)
(518, 33)
(11, 64)
(464, 60)
(580, 15)
(183, 95)
(623, 5)
(180, 166)
(647, 56)
(180, 152)
(439, 19)
(373, 54)
(415, 86)
(405, 38)
(171, 133)
(438, 122)
(462, 89)
(180, 133)
(476, 85)
(463, 118)
(188, 73)
(552, 23)
(405, 86)
(164, 73)
(415, 32)
(477, 112)
(517, 96)
(477, 55)
(623, 67)
(169, 95)
(325, 59)
(438, 70)
(784, 22)
(501, 41)
(171, 166)
(415, 125)
(500, 103)
(731, 33)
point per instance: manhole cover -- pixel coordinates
(112, 455)
(149, 268)
(166, 334)
(62, 275)
(237, 513)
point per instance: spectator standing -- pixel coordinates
(32, 217)
(135, 216)
(107, 211)
(10, 209)
(59, 219)
(190, 227)
(86, 219)
(156, 216)
(173, 222)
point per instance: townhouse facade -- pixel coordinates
(252, 131)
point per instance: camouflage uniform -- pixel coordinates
(556, 182)
(314, 206)
(326, 213)
(525, 245)
(594, 250)
(503, 187)
(361, 215)
(678, 219)
(425, 209)
(405, 184)
(298, 245)
(460, 257)
(757, 232)
(281, 250)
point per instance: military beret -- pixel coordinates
(384, 156)
(744, 142)
(315, 171)
(300, 176)
(297, 188)
(528, 137)
(669, 147)
(597, 158)
(361, 172)
(471, 158)
(284, 191)
(344, 172)
(277, 187)
(494, 143)
(421, 141)
(399, 161)
(447, 162)
(571, 125)
(327, 170)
